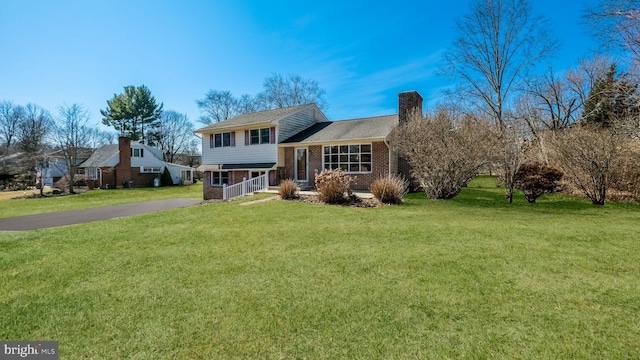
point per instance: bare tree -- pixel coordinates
(583, 78)
(499, 41)
(515, 152)
(617, 23)
(444, 152)
(10, 117)
(33, 129)
(280, 92)
(585, 155)
(72, 134)
(559, 105)
(247, 104)
(217, 106)
(175, 131)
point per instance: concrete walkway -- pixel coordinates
(63, 218)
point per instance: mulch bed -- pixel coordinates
(353, 201)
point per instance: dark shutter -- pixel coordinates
(246, 138)
(272, 137)
(141, 152)
(211, 140)
(233, 138)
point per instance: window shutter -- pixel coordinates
(272, 137)
(233, 138)
(246, 138)
(141, 152)
(131, 152)
(211, 140)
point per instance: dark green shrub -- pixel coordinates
(165, 179)
(390, 190)
(334, 186)
(534, 179)
(288, 190)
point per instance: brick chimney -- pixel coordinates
(408, 102)
(123, 169)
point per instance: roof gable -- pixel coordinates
(266, 116)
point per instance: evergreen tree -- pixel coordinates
(135, 112)
(611, 100)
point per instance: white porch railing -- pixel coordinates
(246, 187)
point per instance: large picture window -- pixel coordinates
(219, 178)
(353, 158)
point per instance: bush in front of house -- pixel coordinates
(334, 186)
(288, 190)
(165, 179)
(390, 190)
(534, 179)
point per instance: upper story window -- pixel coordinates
(353, 158)
(222, 139)
(260, 136)
(137, 152)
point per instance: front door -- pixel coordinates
(301, 169)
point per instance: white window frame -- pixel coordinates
(345, 160)
(150, 170)
(222, 139)
(137, 152)
(262, 134)
(92, 173)
(221, 178)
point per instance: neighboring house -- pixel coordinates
(55, 166)
(130, 163)
(299, 142)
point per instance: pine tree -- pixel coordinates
(135, 112)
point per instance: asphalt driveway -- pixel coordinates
(71, 217)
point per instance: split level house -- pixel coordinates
(130, 163)
(298, 143)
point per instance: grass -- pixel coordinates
(473, 277)
(94, 198)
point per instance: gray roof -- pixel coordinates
(378, 127)
(253, 118)
(101, 156)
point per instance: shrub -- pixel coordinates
(334, 186)
(390, 190)
(445, 151)
(534, 179)
(165, 179)
(288, 190)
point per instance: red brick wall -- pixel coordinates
(108, 177)
(380, 167)
(210, 192)
(380, 164)
(123, 169)
(408, 102)
(288, 163)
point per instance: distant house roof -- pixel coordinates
(103, 156)
(254, 118)
(378, 127)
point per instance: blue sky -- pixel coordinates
(361, 52)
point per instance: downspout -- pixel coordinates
(388, 162)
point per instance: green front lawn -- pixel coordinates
(95, 198)
(473, 277)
